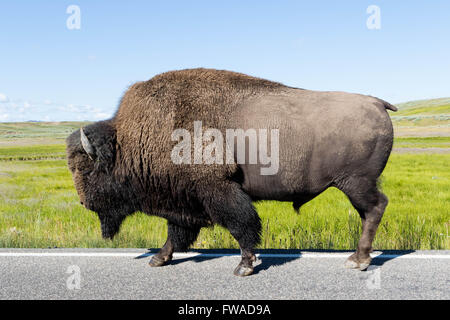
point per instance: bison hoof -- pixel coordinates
(243, 271)
(156, 261)
(354, 263)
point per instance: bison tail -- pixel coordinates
(387, 105)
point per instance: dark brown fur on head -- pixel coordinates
(97, 186)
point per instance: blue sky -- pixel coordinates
(48, 72)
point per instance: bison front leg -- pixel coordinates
(178, 239)
(232, 208)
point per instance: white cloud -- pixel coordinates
(102, 115)
(3, 98)
(48, 110)
(71, 108)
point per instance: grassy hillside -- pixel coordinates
(422, 118)
(424, 107)
(30, 133)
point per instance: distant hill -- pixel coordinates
(439, 106)
(422, 118)
(24, 133)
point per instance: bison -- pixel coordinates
(325, 139)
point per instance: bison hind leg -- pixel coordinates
(370, 203)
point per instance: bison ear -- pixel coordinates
(99, 142)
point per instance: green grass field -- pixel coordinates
(39, 206)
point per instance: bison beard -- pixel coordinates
(123, 165)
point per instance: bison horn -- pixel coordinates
(87, 146)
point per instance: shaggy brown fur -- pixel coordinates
(175, 100)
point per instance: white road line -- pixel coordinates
(313, 255)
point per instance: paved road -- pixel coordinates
(124, 274)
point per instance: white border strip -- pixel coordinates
(213, 255)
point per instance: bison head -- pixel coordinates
(91, 156)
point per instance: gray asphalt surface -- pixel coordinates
(125, 274)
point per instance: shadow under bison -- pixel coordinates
(272, 260)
